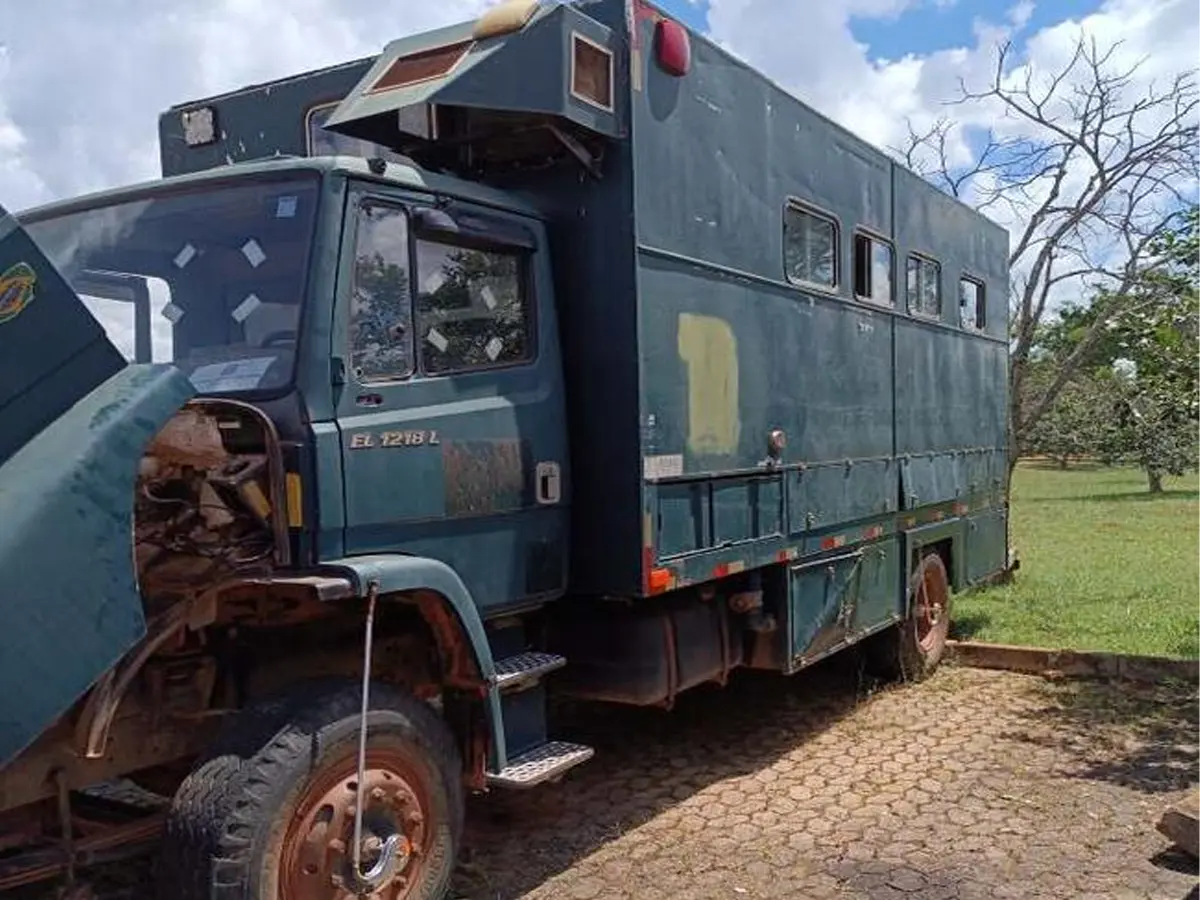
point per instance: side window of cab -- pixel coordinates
(381, 341)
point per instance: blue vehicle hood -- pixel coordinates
(76, 419)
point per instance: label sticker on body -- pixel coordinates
(667, 466)
(18, 287)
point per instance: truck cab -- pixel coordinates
(397, 329)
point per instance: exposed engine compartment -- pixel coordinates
(206, 497)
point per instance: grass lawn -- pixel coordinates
(1104, 565)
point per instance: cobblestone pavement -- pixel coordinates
(972, 785)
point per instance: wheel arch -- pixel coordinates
(947, 540)
(448, 610)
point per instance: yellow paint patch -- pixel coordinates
(709, 349)
(295, 500)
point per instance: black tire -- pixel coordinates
(229, 822)
(913, 649)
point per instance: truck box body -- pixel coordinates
(687, 341)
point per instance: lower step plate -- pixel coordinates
(540, 764)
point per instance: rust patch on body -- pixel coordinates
(485, 476)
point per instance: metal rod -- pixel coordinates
(65, 823)
(372, 597)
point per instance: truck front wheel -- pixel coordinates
(275, 821)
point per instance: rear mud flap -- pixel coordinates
(74, 420)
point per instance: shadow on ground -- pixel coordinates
(965, 626)
(1142, 737)
(1143, 496)
(648, 761)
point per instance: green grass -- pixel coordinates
(1104, 565)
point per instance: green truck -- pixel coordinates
(556, 352)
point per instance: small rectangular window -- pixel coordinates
(322, 142)
(924, 286)
(972, 311)
(810, 247)
(473, 311)
(872, 269)
(381, 301)
(591, 72)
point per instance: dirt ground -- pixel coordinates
(973, 785)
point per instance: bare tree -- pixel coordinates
(1091, 168)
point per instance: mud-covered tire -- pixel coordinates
(913, 649)
(229, 822)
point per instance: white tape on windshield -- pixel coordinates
(185, 255)
(438, 340)
(253, 253)
(242, 311)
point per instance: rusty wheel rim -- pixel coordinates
(930, 608)
(316, 856)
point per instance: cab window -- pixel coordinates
(381, 296)
(473, 309)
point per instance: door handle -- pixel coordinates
(549, 483)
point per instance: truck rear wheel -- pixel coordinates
(274, 819)
(912, 650)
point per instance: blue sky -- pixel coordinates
(930, 26)
(926, 27)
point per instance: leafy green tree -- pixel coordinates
(1159, 412)
(1144, 355)
(1079, 424)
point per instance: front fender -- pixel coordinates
(68, 589)
(394, 573)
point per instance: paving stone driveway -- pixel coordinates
(973, 785)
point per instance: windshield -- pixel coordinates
(210, 279)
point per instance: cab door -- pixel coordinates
(450, 404)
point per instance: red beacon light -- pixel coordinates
(672, 48)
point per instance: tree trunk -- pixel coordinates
(1062, 462)
(1156, 479)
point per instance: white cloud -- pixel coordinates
(1020, 14)
(80, 94)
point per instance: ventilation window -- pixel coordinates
(810, 246)
(972, 311)
(422, 66)
(924, 286)
(591, 72)
(872, 269)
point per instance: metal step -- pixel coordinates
(542, 763)
(525, 668)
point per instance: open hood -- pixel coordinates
(523, 84)
(76, 419)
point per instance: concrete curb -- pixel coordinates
(1072, 663)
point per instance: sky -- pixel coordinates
(82, 82)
